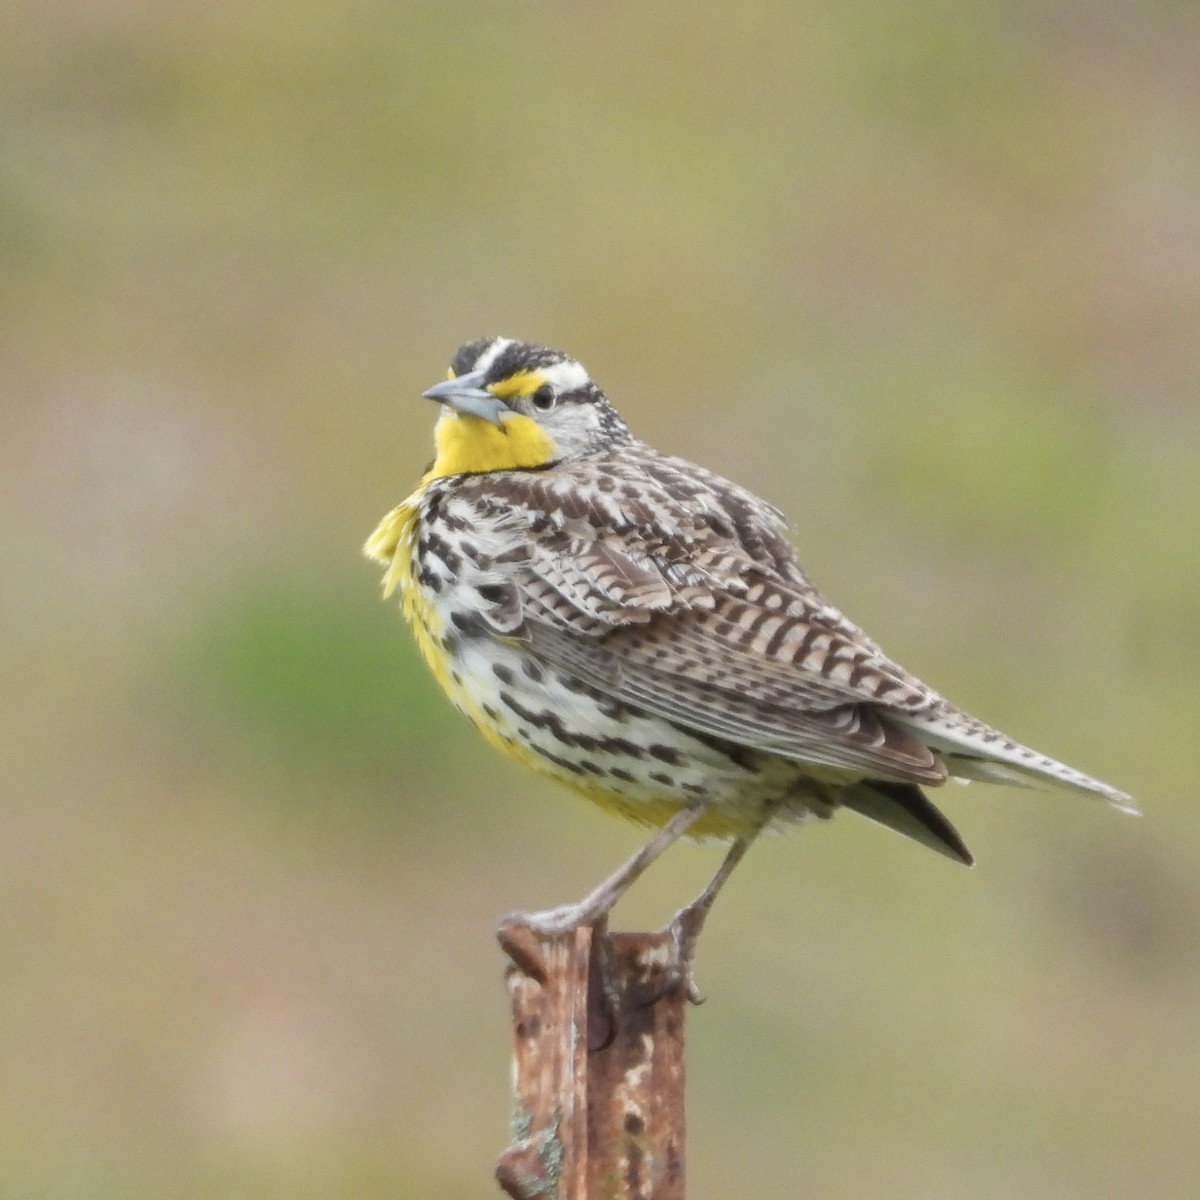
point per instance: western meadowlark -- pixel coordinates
(638, 629)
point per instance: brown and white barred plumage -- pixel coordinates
(639, 628)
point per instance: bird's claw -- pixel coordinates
(604, 992)
(684, 929)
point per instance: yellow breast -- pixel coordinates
(394, 545)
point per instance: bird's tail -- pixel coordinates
(905, 808)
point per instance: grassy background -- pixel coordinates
(928, 278)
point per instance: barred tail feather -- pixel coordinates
(972, 750)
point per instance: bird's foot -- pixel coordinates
(553, 922)
(520, 935)
(684, 929)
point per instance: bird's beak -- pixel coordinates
(466, 395)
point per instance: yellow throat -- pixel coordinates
(468, 445)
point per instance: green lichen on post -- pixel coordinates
(531, 1168)
(521, 1125)
(550, 1150)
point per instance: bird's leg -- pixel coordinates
(594, 908)
(598, 902)
(687, 923)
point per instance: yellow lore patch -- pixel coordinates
(520, 383)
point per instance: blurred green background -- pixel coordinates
(928, 277)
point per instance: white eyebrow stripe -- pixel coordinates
(489, 356)
(566, 376)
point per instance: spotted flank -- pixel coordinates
(638, 628)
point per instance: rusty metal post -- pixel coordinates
(597, 1077)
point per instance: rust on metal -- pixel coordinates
(598, 1068)
(522, 1173)
(635, 1087)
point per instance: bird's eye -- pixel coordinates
(544, 398)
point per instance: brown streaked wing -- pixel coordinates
(779, 655)
(648, 598)
(851, 737)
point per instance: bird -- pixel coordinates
(638, 628)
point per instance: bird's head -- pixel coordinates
(511, 406)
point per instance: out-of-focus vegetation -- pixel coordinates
(928, 278)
